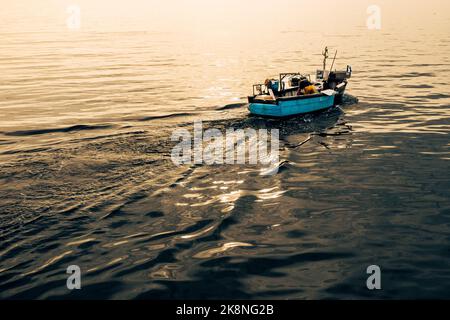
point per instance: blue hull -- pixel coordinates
(291, 107)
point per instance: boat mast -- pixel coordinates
(334, 59)
(325, 57)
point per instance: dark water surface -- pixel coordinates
(86, 176)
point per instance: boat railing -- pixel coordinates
(283, 76)
(260, 88)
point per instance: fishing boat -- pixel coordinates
(296, 93)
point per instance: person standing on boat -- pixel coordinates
(331, 83)
(306, 88)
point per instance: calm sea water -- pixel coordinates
(86, 177)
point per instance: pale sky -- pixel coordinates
(232, 15)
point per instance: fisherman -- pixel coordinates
(272, 88)
(306, 88)
(332, 82)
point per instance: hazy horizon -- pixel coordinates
(204, 16)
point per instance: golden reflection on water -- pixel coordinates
(78, 242)
(223, 248)
(49, 262)
(149, 57)
(227, 193)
